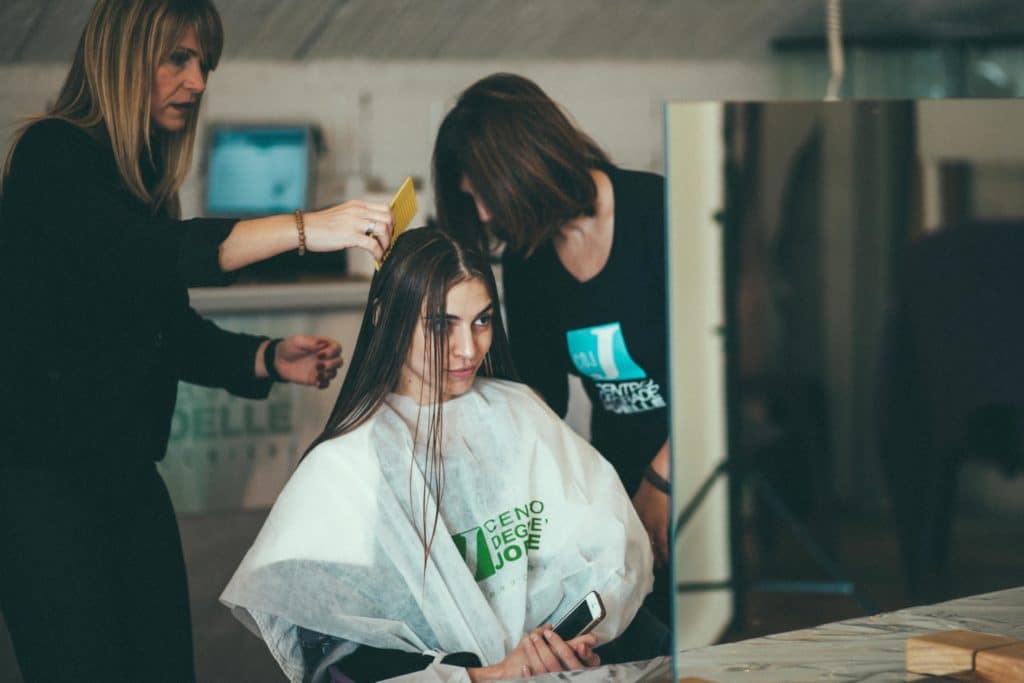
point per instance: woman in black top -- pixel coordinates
(583, 268)
(94, 266)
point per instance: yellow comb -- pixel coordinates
(403, 208)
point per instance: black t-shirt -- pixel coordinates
(610, 330)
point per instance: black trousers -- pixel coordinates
(92, 577)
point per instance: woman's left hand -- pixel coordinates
(305, 359)
(546, 652)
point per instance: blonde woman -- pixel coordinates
(94, 266)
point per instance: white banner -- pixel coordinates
(229, 453)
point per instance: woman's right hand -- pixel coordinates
(541, 651)
(355, 223)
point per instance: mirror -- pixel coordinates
(846, 381)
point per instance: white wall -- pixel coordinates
(695, 194)
(392, 133)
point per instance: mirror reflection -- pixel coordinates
(846, 374)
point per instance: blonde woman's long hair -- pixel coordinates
(110, 84)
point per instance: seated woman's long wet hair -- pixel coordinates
(413, 282)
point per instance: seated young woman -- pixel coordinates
(445, 516)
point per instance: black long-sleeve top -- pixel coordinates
(97, 327)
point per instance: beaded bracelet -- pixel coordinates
(301, 227)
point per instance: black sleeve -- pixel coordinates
(537, 347)
(72, 204)
(371, 664)
(367, 663)
(209, 356)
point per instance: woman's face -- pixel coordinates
(481, 209)
(179, 81)
(467, 334)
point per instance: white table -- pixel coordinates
(868, 649)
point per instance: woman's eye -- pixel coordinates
(179, 58)
(483, 321)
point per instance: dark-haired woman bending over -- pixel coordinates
(584, 274)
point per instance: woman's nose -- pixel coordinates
(462, 342)
(195, 80)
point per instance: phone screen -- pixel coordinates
(574, 622)
(581, 617)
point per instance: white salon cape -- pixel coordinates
(531, 519)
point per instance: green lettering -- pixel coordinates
(204, 423)
(505, 518)
(251, 425)
(179, 425)
(226, 428)
(512, 553)
(279, 416)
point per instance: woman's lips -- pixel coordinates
(462, 373)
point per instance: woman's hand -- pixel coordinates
(652, 506)
(304, 360)
(355, 223)
(541, 651)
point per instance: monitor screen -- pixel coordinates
(258, 170)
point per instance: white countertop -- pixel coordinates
(292, 296)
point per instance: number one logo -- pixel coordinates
(606, 350)
(600, 353)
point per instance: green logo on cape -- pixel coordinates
(501, 540)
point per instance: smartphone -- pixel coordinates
(582, 618)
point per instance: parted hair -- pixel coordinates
(413, 284)
(109, 87)
(523, 156)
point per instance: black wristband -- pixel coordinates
(268, 360)
(657, 481)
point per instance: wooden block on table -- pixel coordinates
(1001, 664)
(949, 652)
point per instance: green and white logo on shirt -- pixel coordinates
(600, 353)
(502, 540)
